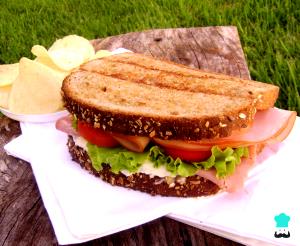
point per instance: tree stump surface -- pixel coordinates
(216, 49)
(23, 218)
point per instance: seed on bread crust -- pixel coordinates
(152, 134)
(222, 125)
(242, 116)
(182, 129)
(97, 125)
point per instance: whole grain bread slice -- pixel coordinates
(131, 108)
(147, 70)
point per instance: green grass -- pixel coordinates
(269, 30)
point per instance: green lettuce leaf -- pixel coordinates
(118, 158)
(74, 121)
(223, 161)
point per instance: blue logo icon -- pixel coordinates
(282, 224)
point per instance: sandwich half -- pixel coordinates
(166, 129)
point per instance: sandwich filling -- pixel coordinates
(224, 161)
(154, 161)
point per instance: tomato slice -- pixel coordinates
(188, 155)
(96, 136)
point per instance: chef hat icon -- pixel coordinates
(282, 220)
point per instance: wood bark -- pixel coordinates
(23, 218)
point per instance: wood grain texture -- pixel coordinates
(23, 218)
(216, 49)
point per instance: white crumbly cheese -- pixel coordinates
(81, 142)
(147, 167)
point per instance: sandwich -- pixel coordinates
(167, 129)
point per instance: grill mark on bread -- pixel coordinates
(158, 83)
(183, 81)
(270, 92)
(193, 186)
(127, 56)
(164, 70)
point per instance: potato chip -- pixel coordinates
(8, 73)
(43, 57)
(36, 89)
(76, 43)
(67, 59)
(101, 54)
(4, 96)
(64, 59)
(66, 53)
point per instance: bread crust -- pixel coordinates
(159, 127)
(193, 186)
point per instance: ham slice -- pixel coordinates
(269, 127)
(64, 124)
(235, 181)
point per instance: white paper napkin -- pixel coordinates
(82, 207)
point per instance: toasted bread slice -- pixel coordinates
(135, 94)
(147, 70)
(193, 186)
(131, 108)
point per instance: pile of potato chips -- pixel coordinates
(33, 86)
